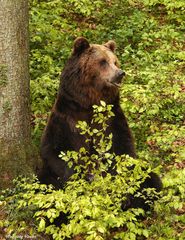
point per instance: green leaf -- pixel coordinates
(41, 226)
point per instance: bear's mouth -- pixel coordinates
(117, 84)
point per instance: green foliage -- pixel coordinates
(170, 208)
(92, 200)
(150, 39)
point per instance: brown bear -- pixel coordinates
(91, 74)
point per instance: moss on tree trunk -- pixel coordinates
(17, 155)
(17, 159)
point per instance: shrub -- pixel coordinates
(91, 203)
(150, 39)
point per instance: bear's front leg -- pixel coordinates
(122, 138)
(55, 171)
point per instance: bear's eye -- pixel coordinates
(103, 62)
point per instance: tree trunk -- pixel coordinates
(15, 147)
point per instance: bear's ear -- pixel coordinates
(80, 45)
(111, 45)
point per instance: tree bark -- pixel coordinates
(15, 150)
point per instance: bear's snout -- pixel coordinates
(118, 77)
(121, 74)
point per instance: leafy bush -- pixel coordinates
(91, 203)
(150, 39)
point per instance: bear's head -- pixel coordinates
(92, 72)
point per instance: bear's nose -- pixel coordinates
(118, 77)
(121, 73)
